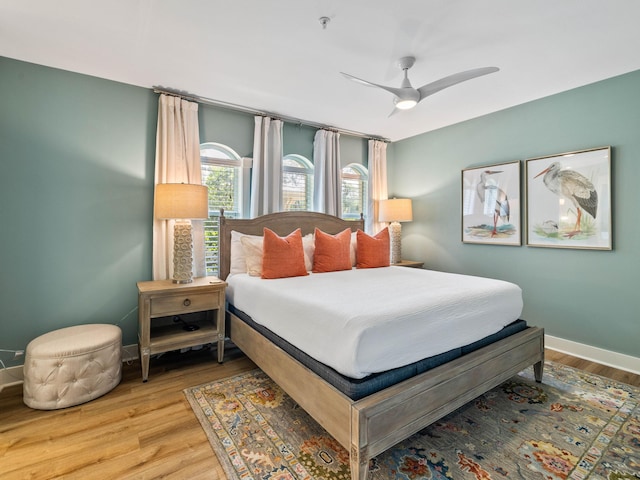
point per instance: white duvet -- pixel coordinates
(363, 321)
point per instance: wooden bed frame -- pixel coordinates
(371, 425)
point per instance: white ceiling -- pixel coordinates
(274, 56)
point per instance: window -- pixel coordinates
(354, 191)
(297, 183)
(222, 174)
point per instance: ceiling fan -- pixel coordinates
(407, 97)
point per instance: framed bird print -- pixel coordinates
(569, 200)
(491, 204)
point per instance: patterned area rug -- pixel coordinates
(574, 425)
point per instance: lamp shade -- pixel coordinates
(181, 200)
(395, 210)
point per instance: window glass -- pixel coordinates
(297, 183)
(222, 174)
(354, 191)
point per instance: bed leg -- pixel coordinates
(538, 370)
(359, 465)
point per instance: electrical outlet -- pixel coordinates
(18, 354)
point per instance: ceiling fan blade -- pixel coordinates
(394, 111)
(394, 91)
(434, 87)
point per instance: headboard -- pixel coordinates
(282, 223)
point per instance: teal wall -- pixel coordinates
(235, 129)
(585, 296)
(353, 150)
(231, 128)
(76, 193)
(76, 196)
(76, 157)
(298, 139)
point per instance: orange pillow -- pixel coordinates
(372, 252)
(283, 256)
(333, 252)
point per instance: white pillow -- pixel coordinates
(309, 247)
(238, 262)
(252, 247)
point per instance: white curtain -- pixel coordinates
(266, 174)
(377, 184)
(327, 184)
(177, 161)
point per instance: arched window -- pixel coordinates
(355, 194)
(222, 173)
(297, 183)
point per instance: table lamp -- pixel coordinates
(182, 202)
(395, 210)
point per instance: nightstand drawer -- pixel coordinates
(173, 304)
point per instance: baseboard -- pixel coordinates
(594, 354)
(13, 375)
(129, 352)
(580, 350)
(10, 376)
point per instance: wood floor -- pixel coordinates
(138, 430)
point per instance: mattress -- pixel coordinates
(365, 321)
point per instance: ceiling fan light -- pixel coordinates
(405, 104)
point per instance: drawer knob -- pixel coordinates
(186, 302)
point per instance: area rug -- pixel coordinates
(574, 425)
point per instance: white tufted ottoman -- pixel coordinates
(72, 365)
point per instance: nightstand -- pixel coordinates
(408, 263)
(163, 298)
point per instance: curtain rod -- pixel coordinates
(241, 108)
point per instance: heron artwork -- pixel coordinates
(492, 195)
(569, 184)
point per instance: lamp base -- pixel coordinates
(182, 252)
(395, 235)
